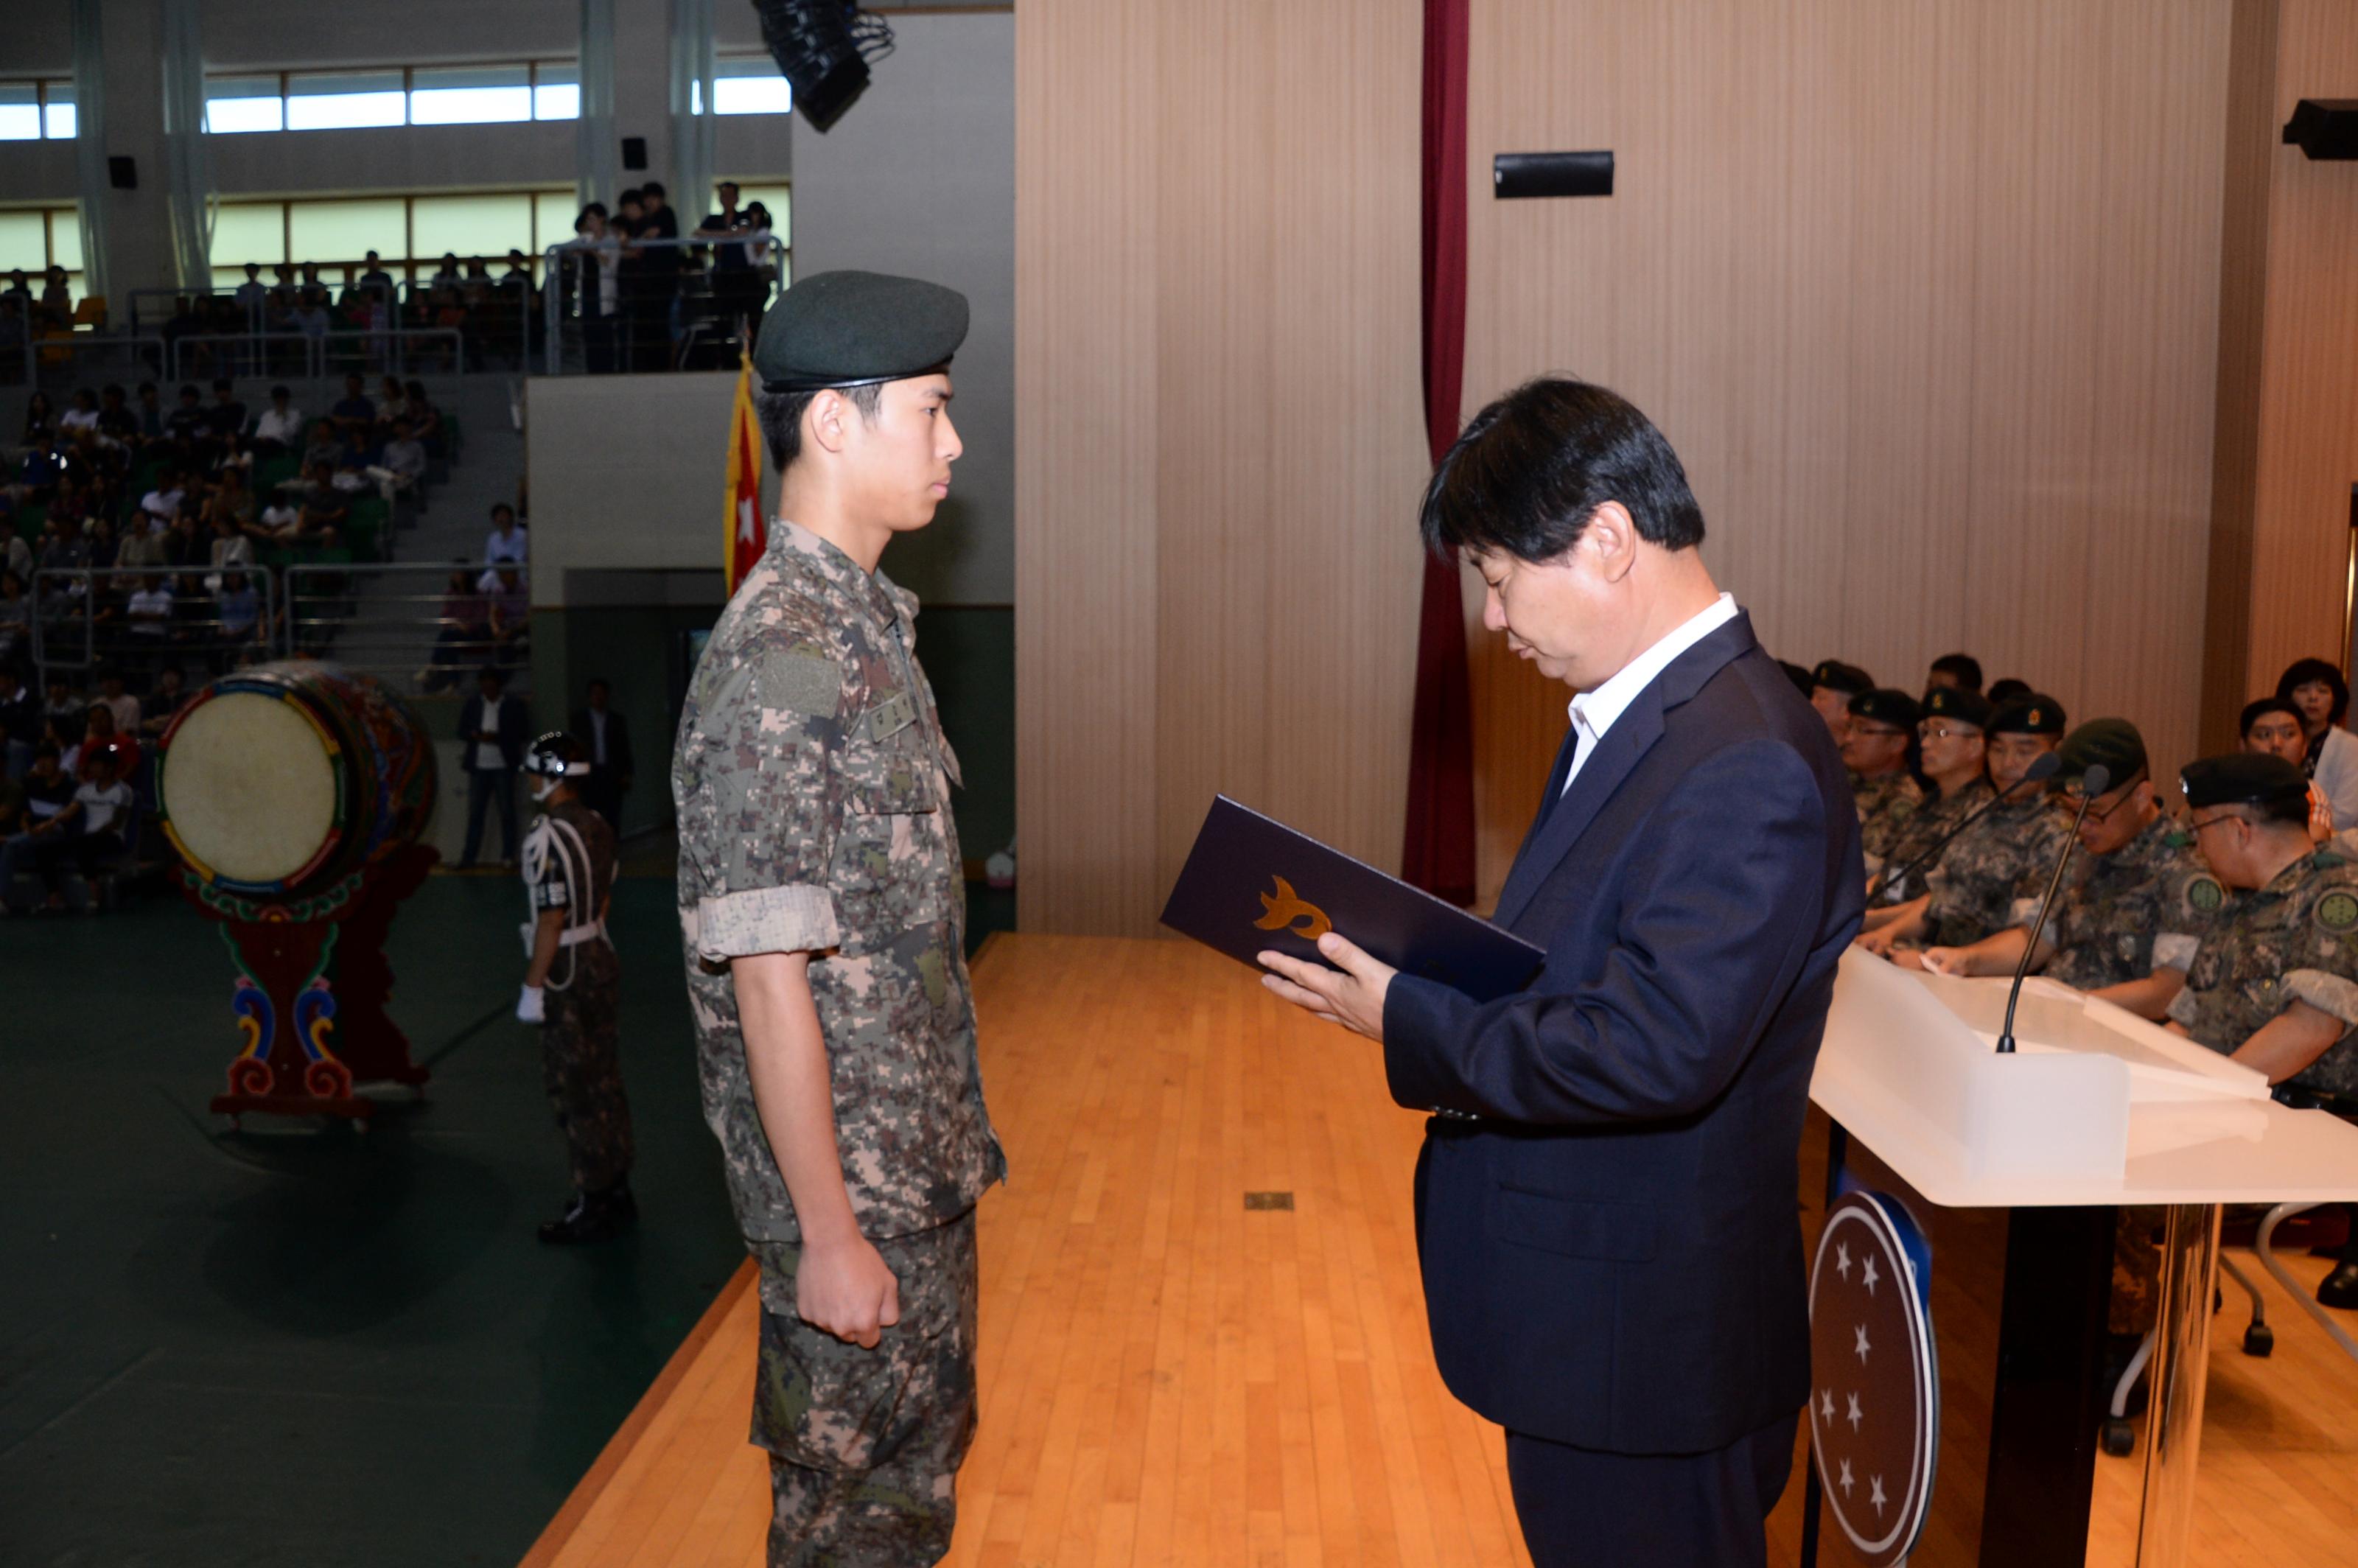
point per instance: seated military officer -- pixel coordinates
(2275, 983)
(2132, 912)
(1954, 757)
(1992, 872)
(1832, 686)
(1875, 750)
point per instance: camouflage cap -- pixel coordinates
(1954, 702)
(2036, 714)
(2113, 745)
(1841, 677)
(856, 329)
(2242, 778)
(1885, 705)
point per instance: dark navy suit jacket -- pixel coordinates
(1606, 1203)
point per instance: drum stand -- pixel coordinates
(310, 993)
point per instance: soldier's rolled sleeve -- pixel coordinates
(775, 803)
(2175, 950)
(2326, 991)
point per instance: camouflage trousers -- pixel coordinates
(865, 1444)
(581, 1068)
(2136, 1270)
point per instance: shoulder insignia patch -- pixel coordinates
(800, 681)
(2179, 838)
(2338, 911)
(2205, 894)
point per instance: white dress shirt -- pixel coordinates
(1593, 712)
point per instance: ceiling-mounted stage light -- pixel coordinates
(823, 47)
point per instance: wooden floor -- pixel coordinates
(1168, 1379)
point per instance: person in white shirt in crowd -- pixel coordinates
(2315, 687)
(401, 467)
(492, 726)
(163, 503)
(280, 428)
(509, 540)
(121, 703)
(82, 415)
(148, 611)
(102, 808)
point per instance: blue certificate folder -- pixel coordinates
(1252, 885)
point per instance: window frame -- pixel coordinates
(41, 86)
(568, 66)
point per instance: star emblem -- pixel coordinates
(1826, 1404)
(1845, 1483)
(1842, 1258)
(1870, 1277)
(1856, 1414)
(1874, 1494)
(1861, 1344)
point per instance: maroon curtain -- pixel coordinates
(1438, 855)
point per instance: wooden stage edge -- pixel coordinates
(1169, 1378)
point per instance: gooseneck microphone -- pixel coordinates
(2092, 783)
(2045, 766)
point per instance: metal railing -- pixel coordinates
(662, 319)
(204, 619)
(67, 357)
(396, 350)
(423, 628)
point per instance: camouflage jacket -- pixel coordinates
(1988, 871)
(2122, 916)
(2293, 940)
(1886, 804)
(1923, 830)
(812, 783)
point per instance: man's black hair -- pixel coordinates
(281, 390)
(499, 506)
(652, 188)
(1529, 471)
(2300, 672)
(780, 415)
(2006, 689)
(1964, 666)
(2255, 711)
(599, 681)
(492, 672)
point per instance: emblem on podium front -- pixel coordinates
(1874, 1386)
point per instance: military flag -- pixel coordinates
(748, 532)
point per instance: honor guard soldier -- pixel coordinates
(823, 912)
(1875, 750)
(2275, 983)
(572, 988)
(1981, 882)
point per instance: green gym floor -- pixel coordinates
(296, 1346)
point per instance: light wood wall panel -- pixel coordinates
(2289, 403)
(1219, 448)
(1926, 295)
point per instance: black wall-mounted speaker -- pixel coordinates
(2324, 128)
(122, 173)
(1518, 175)
(634, 152)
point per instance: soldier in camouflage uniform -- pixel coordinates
(1832, 686)
(1875, 750)
(822, 906)
(2275, 984)
(1981, 881)
(572, 988)
(1954, 756)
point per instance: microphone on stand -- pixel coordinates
(2092, 783)
(2044, 767)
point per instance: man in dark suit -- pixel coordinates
(1606, 1200)
(492, 732)
(606, 735)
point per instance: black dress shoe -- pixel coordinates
(2339, 1288)
(593, 1217)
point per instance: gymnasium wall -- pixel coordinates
(1926, 295)
(1218, 441)
(2288, 411)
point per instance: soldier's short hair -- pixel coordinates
(780, 416)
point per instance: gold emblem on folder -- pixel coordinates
(1286, 909)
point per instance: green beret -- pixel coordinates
(1955, 702)
(1841, 677)
(2242, 778)
(2037, 714)
(2113, 745)
(1885, 706)
(856, 329)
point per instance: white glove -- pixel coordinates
(529, 1009)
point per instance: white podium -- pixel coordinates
(2095, 1109)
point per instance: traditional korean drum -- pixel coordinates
(277, 783)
